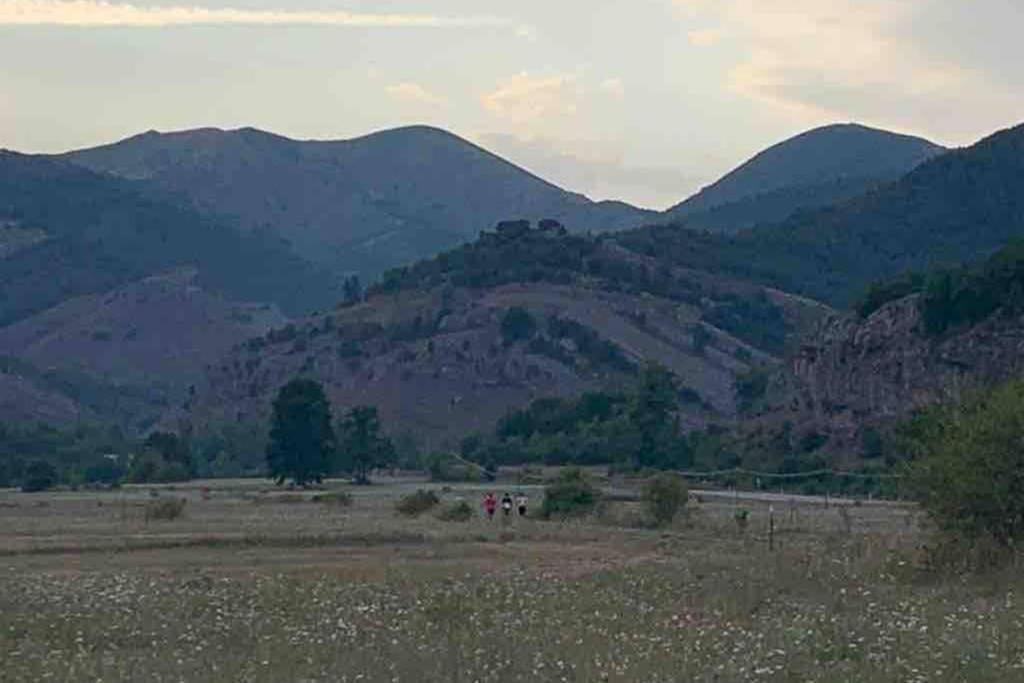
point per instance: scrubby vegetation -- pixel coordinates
(955, 297)
(459, 511)
(517, 252)
(572, 494)
(165, 509)
(84, 454)
(664, 495)
(967, 465)
(417, 503)
(631, 430)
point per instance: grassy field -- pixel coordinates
(253, 583)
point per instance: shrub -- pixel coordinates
(417, 503)
(571, 494)
(39, 476)
(165, 509)
(742, 519)
(750, 387)
(663, 496)
(445, 467)
(967, 473)
(460, 511)
(334, 498)
(517, 324)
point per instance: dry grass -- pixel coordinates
(278, 591)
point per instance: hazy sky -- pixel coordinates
(643, 100)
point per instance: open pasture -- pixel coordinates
(255, 583)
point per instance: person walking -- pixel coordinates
(521, 503)
(490, 504)
(506, 504)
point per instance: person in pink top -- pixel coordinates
(490, 504)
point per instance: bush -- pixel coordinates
(417, 503)
(460, 511)
(572, 494)
(968, 465)
(663, 496)
(445, 467)
(517, 324)
(165, 509)
(334, 498)
(39, 476)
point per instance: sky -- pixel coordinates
(644, 101)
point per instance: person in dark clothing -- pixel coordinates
(506, 504)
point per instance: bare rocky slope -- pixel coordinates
(436, 352)
(127, 354)
(854, 374)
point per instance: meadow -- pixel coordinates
(255, 583)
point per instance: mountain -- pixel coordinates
(127, 354)
(956, 207)
(448, 346)
(112, 299)
(69, 232)
(817, 168)
(355, 206)
(920, 340)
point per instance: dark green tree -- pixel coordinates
(174, 450)
(301, 437)
(39, 476)
(650, 413)
(517, 324)
(361, 446)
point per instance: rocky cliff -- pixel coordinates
(853, 373)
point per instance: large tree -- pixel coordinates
(650, 414)
(301, 437)
(361, 446)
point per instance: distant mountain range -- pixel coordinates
(817, 168)
(130, 272)
(66, 231)
(957, 207)
(352, 206)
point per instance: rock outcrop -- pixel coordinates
(852, 373)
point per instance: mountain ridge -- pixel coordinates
(815, 168)
(957, 207)
(420, 189)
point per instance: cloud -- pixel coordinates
(415, 93)
(524, 98)
(704, 37)
(527, 32)
(842, 59)
(100, 13)
(613, 87)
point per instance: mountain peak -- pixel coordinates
(814, 168)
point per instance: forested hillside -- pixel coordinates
(353, 206)
(95, 232)
(960, 206)
(817, 168)
(448, 346)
